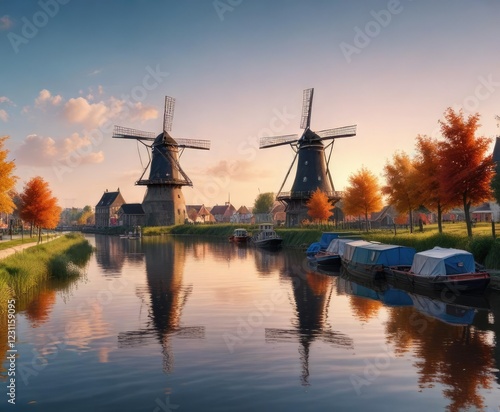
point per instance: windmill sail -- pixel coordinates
(168, 116)
(277, 140)
(307, 99)
(345, 131)
(120, 132)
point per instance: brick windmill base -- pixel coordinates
(164, 206)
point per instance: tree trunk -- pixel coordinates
(467, 216)
(440, 218)
(366, 220)
(411, 220)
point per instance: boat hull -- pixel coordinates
(372, 272)
(461, 283)
(273, 243)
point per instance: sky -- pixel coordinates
(71, 69)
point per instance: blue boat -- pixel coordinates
(370, 259)
(441, 268)
(331, 257)
(323, 243)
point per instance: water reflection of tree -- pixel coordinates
(458, 357)
(311, 297)
(36, 305)
(167, 296)
(364, 302)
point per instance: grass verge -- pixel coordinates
(61, 258)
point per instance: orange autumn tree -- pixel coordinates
(466, 166)
(428, 169)
(7, 179)
(363, 194)
(38, 206)
(401, 185)
(319, 206)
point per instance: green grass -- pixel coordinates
(61, 258)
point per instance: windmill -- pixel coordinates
(163, 202)
(312, 165)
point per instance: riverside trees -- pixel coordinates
(453, 171)
(38, 206)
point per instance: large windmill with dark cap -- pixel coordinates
(312, 164)
(163, 202)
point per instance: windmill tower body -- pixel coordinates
(163, 203)
(312, 164)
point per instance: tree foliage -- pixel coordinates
(38, 206)
(401, 186)
(7, 179)
(428, 170)
(466, 168)
(319, 206)
(362, 197)
(263, 203)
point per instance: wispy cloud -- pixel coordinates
(5, 99)
(43, 151)
(239, 170)
(46, 97)
(4, 116)
(94, 72)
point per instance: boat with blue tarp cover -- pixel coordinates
(370, 259)
(332, 255)
(322, 245)
(441, 268)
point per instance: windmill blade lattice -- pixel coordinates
(168, 116)
(277, 140)
(307, 99)
(336, 133)
(120, 132)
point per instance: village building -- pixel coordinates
(242, 215)
(106, 210)
(199, 214)
(487, 212)
(131, 215)
(223, 213)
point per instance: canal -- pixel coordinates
(187, 324)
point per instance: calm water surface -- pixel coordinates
(180, 324)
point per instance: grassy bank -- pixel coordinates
(485, 248)
(61, 258)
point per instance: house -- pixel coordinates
(131, 215)
(223, 213)
(242, 215)
(487, 212)
(199, 214)
(106, 210)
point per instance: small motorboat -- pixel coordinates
(240, 235)
(266, 237)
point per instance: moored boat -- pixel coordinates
(323, 243)
(441, 268)
(370, 259)
(266, 237)
(240, 235)
(331, 256)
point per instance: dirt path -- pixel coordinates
(19, 248)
